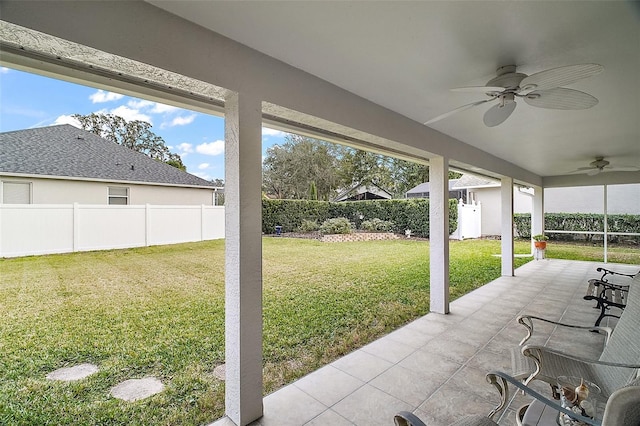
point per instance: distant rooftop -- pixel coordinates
(66, 151)
(466, 181)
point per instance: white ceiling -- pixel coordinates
(406, 56)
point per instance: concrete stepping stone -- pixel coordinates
(220, 372)
(137, 389)
(77, 372)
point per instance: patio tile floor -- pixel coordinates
(435, 366)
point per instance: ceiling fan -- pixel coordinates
(601, 165)
(540, 90)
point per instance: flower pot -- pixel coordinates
(541, 245)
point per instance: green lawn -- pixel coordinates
(593, 252)
(160, 311)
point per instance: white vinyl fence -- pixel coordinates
(31, 229)
(469, 221)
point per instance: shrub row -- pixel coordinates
(405, 214)
(580, 222)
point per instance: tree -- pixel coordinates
(135, 135)
(218, 182)
(362, 167)
(288, 169)
(177, 163)
(313, 191)
(305, 168)
(406, 175)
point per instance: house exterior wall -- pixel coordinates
(491, 203)
(621, 199)
(59, 191)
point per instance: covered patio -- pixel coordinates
(367, 75)
(436, 365)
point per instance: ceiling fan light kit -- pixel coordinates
(541, 90)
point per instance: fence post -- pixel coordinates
(1, 228)
(76, 227)
(147, 215)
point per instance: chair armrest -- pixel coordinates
(548, 350)
(527, 322)
(501, 382)
(610, 272)
(551, 363)
(607, 285)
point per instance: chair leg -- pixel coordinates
(405, 418)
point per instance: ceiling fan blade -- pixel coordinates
(457, 110)
(623, 168)
(560, 98)
(479, 89)
(581, 170)
(561, 76)
(498, 113)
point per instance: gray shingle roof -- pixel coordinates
(67, 151)
(467, 181)
(424, 187)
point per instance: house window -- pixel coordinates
(16, 192)
(118, 195)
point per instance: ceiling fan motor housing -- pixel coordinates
(600, 163)
(507, 78)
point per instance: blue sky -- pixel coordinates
(30, 100)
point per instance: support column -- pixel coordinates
(506, 192)
(537, 215)
(243, 259)
(605, 224)
(439, 234)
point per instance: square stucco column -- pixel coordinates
(537, 215)
(506, 234)
(439, 234)
(243, 259)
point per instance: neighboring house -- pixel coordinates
(422, 191)
(474, 189)
(621, 199)
(64, 164)
(364, 191)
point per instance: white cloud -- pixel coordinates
(67, 119)
(211, 148)
(4, 70)
(151, 107)
(162, 108)
(181, 121)
(130, 114)
(101, 96)
(139, 103)
(271, 132)
(185, 147)
(203, 166)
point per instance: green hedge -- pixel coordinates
(581, 222)
(290, 213)
(405, 214)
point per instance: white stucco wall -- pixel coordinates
(490, 200)
(58, 191)
(621, 199)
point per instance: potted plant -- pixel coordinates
(540, 241)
